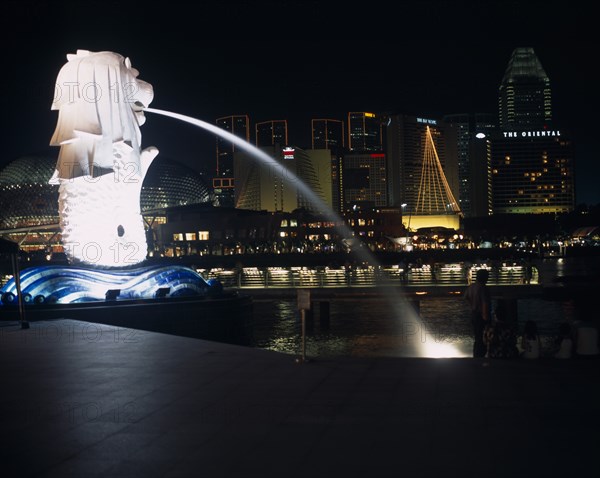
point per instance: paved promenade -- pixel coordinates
(86, 400)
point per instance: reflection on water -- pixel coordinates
(368, 327)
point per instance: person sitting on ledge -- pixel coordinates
(564, 342)
(530, 341)
(585, 336)
(499, 336)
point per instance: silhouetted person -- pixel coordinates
(478, 296)
(499, 336)
(586, 338)
(563, 345)
(530, 341)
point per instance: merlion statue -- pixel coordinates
(101, 166)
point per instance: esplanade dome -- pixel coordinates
(26, 198)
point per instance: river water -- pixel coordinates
(369, 327)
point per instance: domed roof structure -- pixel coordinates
(169, 183)
(26, 198)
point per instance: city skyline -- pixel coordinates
(298, 62)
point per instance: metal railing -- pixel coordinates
(369, 276)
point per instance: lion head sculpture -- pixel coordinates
(100, 104)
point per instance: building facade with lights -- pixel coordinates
(223, 185)
(531, 159)
(29, 213)
(273, 187)
(364, 180)
(271, 133)
(472, 161)
(524, 97)
(532, 172)
(422, 170)
(365, 132)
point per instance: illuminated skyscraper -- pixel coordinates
(329, 134)
(223, 184)
(407, 148)
(532, 172)
(471, 131)
(524, 95)
(365, 132)
(270, 133)
(531, 159)
(364, 180)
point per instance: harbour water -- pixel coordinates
(372, 327)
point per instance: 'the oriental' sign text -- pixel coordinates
(531, 134)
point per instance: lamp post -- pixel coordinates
(403, 205)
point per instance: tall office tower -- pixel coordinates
(329, 134)
(270, 188)
(473, 170)
(364, 180)
(532, 172)
(365, 132)
(270, 133)
(524, 95)
(531, 161)
(422, 161)
(223, 185)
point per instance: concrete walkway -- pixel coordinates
(86, 400)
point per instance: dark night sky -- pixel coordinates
(296, 60)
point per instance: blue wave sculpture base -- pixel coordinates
(72, 284)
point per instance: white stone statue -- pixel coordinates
(101, 166)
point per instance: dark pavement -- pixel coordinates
(85, 400)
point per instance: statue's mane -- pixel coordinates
(99, 101)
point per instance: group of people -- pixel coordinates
(495, 337)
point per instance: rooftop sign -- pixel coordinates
(531, 134)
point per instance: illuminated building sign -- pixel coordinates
(531, 134)
(426, 121)
(288, 153)
(370, 115)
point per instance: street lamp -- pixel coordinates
(403, 205)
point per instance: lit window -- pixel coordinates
(203, 235)
(293, 223)
(190, 236)
(284, 223)
(178, 236)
